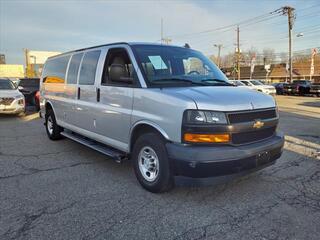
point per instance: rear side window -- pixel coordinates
(55, 70)
(89, 67)
(74, 68)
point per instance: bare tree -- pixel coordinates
(227, 60)
(301, 58)
(248, 55)
(269, 55)
(284, 57)
(214, 59)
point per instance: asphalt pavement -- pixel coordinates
(63, 190)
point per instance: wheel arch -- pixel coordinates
(142, 127)
(49, 105)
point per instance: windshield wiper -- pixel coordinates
(177, 80)
(219, 81)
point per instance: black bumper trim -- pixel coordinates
(203, 161)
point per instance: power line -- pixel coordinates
(264, 17)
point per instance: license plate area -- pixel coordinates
(263, 158)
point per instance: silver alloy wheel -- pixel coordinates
(50, 125)
(148, 163)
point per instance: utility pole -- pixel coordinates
(238, 52)
(163, 39)
(289, 11)
(219, 46)
(161, 30)
(26, 54)
(167, 41)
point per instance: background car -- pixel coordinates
(29, 87)
(315, 89)
(301, 87)
(259, 86)
(237, 83)
(11, 100)
(279, 87)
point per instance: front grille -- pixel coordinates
(249, 116)
(6, 101)
(253, 136)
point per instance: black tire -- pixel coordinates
(164, 180)
(55, 130)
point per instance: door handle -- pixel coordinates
(98, 94)
(78, 92)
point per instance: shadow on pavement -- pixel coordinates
(315, 103)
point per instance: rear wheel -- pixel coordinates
(151, 164)
(52, 128)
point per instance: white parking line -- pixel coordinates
(30, 117)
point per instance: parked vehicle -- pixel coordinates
(279, 87)
(259, 86)
(315, 89)
(11, 100)
(301, 87)
(168, 109)
(30, 87)
(237, 83)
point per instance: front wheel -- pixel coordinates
(151, 164)
(52, 128)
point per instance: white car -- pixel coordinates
(259, 86)
(11, 100)
(237, 83)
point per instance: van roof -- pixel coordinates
(110, 44)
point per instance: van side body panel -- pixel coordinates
(156, 106)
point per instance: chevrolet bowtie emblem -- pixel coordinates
(258, 124)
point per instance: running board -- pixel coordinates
(116, 155)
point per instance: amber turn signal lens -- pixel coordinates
(206, 138)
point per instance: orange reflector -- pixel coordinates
(206, 138)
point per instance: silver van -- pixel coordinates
(169, 109)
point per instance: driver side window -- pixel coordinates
(194, 65)
(118, 69)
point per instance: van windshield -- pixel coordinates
(168, 66)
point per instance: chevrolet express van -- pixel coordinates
(169, 109)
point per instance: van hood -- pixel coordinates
(221, 98)
(10, 93)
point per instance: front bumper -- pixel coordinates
(13, 108)
(314, 90)
(271, 92)
(209, 161)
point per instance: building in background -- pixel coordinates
(11, 71)
(35, 61)
(2, 58)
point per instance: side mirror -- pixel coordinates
(118, 73)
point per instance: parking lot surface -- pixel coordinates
(63, 190)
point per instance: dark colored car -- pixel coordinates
(315, 89)
(300, 87)
(29, 87)
(279, 87)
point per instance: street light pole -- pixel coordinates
(219, 46)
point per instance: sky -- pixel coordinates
(67, 25)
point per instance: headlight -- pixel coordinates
(21, 101)
(204, 117)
